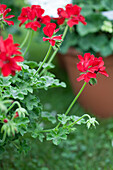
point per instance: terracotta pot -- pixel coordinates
(96, 99)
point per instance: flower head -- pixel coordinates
(71, 14)
(9, 56)
(34, 17)
(49, 30)
(90, 65)
(4, 12)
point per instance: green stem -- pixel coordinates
(63, 36)
(75, 99)
(13, 106)
(69, 108)
(25, 40)
(53, 55)
(65, 32)
(46, 130)
(45, 59)
(15, 145)
(29, 43)
(73, 102)
(3, 139)
(85, 115)
(7, 101)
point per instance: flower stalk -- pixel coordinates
(14, 105)
(45, 59)
(32, 33)
(73, 102)
(25, 40)
(55, 52)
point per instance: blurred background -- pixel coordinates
(85, 149)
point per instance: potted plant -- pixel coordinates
(21, 111)
(95, 37)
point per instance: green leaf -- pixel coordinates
(85, 42)
(47, 66)
(51, 82)
(93, 81)
(94, 23)
(37, 133)
(31, 64)
(49, 116)
(26, 87)
(99, 42)
(108, 4)
(57, 136)
(31, 101)
(22, 124)
(63, 118)
(14, 93)
(5, 81)
(106, 51)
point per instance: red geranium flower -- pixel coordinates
(33, 14)
(4, 12)
(49, 30)
(90, 65)
(98, 65)
(9, 56)
(71, 14)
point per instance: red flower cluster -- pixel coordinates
(4, 12)
(9, 56)
(49, 30)
(72, 14)
(33, 14)
(90, 65)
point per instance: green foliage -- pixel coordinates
(57, 135)
(37, 133)
(21, 116)
(64, 119)
(91, 37)
(80, 147)
(94, 23)
(50, 116)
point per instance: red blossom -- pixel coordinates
(49, 30)
(34, 17)
(71, 14)
(90, 65)
(9, 56)
(4, 12)
(16, 115)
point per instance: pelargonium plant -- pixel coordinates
(21, 112)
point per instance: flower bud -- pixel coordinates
(5, 121)
(16, 115)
